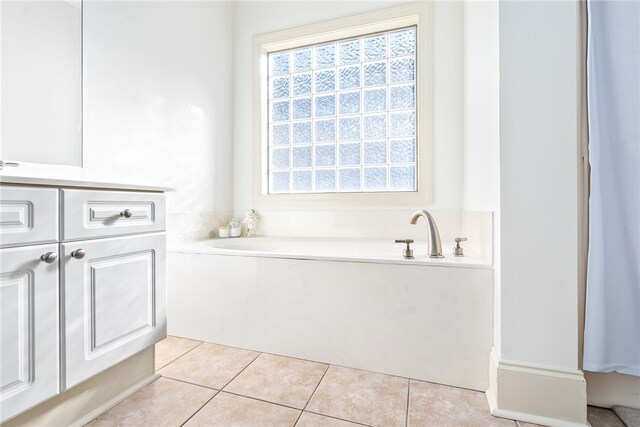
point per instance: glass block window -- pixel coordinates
(342, 115)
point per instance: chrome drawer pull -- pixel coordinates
(78, 254)
(126, 213)
(49, 257)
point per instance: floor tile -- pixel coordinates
(361, 396)
(307, 419)
(279, 379)
(523, 424)
(210, 365)
(229, 410)
(170, 348)
(164, 402)
(602, 417)
(441, 405)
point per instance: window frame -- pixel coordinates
(417, 14)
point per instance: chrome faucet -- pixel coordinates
(435, 247)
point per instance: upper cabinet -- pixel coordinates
(41, 81)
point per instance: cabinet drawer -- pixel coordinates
(28, 215)
(114, 301)
(89, 214)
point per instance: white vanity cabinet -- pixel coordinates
(82, 286)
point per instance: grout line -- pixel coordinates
(337, 418)
(262, 400)
(190, 383)
(183, 354)
(198, 410)
(406, 419)
(241, 371)
(220, 391)
(311, 395)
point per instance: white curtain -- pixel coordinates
(612, 322)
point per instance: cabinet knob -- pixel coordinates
(78, 254)
(49, 257)
(126, 213)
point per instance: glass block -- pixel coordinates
(301, 60)
(402, 42)
(302, 84)
(349, 179)
(325, 105)
(403, 70)
(349, 51)
(403, 151)
(375, 47)
(279, 182)
(279, 63)
(302, 157)
(325, 130)
(279, 158)
(325, 180)
(302, 181)
(375, 74)
(403, 124)
(302, 133)
(349, 154)
(301, 108)
(403, 97)
(325, 155)
(349, 77)
(402, 178)
(280, 134)
(375, 100)
(280, 87)
(280, 111)
(325, 81)
(375, 152)
(349, 102)
(325, 55)
(375, 126)
(375, 179)
(348, 128)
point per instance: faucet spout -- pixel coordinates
(435, 246)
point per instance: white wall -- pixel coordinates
(538, 166)
(158, 106)
(482, 123)
(261, 17)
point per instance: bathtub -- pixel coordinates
(349, 302)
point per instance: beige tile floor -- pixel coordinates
(206, 384)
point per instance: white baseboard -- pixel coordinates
(537, 394)
(113, 402)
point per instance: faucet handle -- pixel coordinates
(407, 253)
(459, 250)
(407, 241)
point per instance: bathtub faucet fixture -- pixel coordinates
(435, 246)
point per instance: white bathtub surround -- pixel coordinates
(381, 224)
(382, 251)
(418, 320)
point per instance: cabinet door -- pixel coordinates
(114, 301)
(28, 328)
